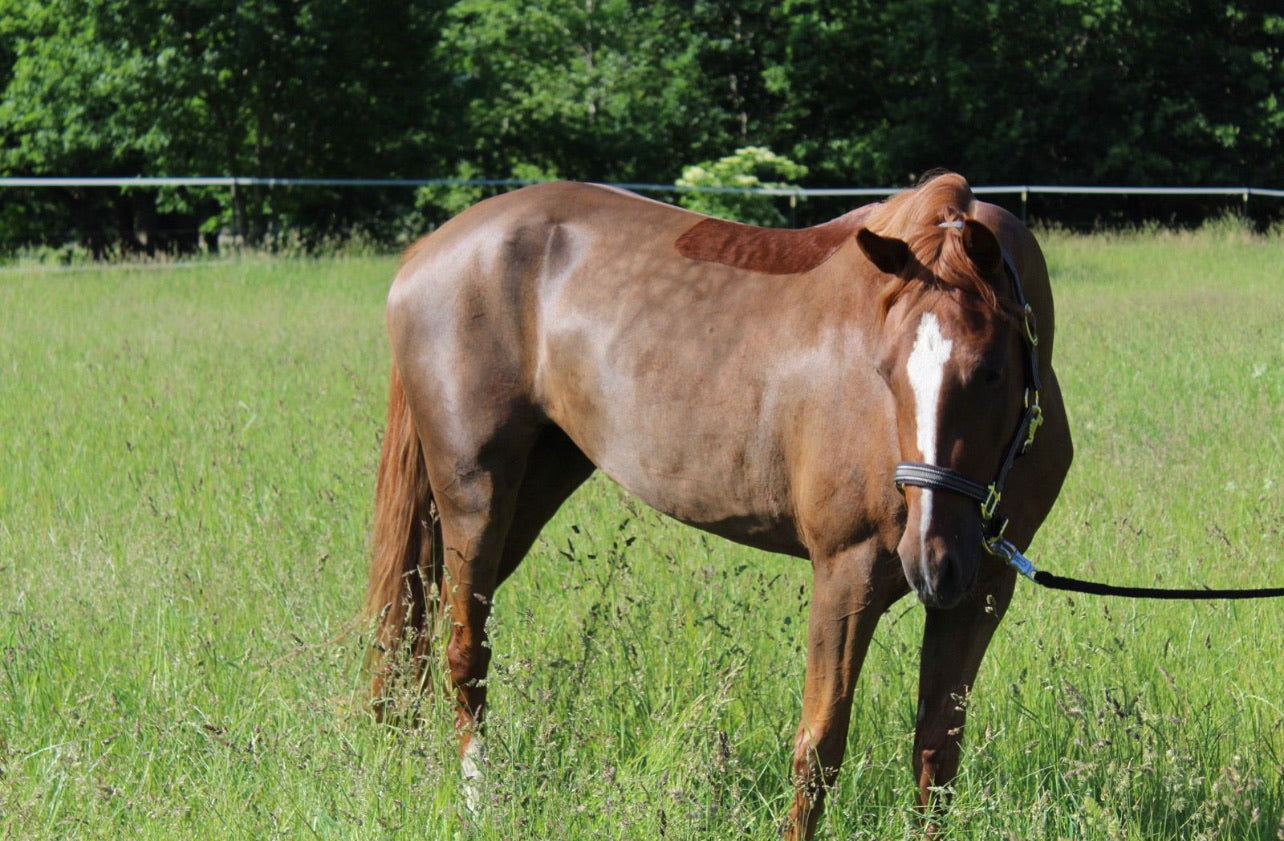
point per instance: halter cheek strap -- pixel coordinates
(938, 478)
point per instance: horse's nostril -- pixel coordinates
(952, 578)
(948, 575)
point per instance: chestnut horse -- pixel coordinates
(760, 384)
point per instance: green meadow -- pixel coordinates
(187, 458)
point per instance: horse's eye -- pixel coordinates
(991, 375)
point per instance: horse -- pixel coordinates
(836, 393)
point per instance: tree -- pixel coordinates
(590, 89)
(1070, 91)
(262, 87)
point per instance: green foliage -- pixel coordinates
(435, 203)
(602, 89)
(138, 87)
(75, 95)
(1069, 91)
(752, 167)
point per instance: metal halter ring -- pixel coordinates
(1031, 332)
(995, 544)
(1035, 414)
(990, 504)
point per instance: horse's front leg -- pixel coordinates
(954, 641)
(848, 597)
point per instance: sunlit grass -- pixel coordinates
(186, 467)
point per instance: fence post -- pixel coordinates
(236, 222)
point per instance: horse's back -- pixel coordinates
(518, 225)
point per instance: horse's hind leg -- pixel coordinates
(490, 515)
(475, 514)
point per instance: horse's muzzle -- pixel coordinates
(941, 571)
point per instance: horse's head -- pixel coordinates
(953, 356)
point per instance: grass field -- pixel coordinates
(186, 469)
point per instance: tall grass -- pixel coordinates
(186, 467)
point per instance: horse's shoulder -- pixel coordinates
(767, 250)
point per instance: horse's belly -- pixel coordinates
(721, 477)
(716, 507)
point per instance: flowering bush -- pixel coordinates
(750, 168)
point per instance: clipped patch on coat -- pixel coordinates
(767, 250)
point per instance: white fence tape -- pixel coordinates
(239, 181)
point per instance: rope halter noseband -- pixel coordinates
(946, 479)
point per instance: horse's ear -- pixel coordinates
(982, 246)
(889, 254)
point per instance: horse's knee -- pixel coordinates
(806, 769)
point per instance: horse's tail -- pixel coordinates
(403, 548)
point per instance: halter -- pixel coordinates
(946, 479)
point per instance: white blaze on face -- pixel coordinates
(926, 370)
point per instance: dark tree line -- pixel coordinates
(1144, 92)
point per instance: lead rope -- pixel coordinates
(1004, 549)
(995, 543)
(998, 546)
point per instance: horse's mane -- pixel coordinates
(916, 217)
